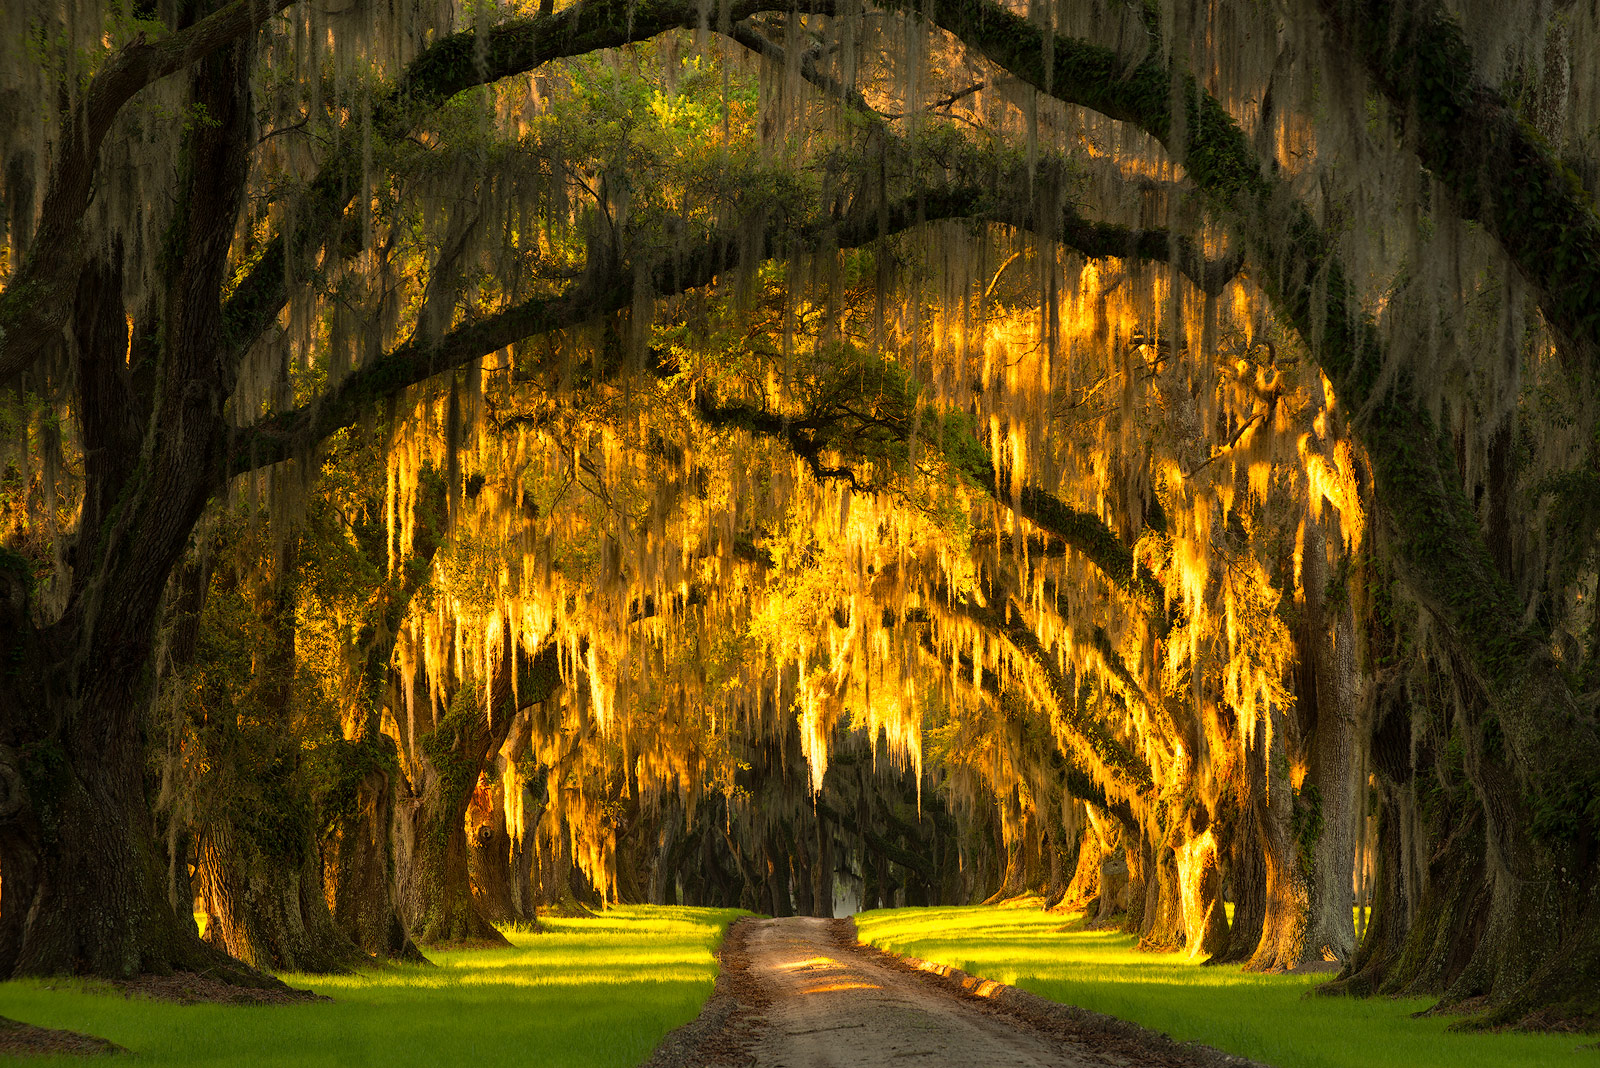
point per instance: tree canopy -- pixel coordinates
(466, 458)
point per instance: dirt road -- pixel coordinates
(831, 1008)
(799, 993)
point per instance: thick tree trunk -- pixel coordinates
(1162, 922)
(1135, 872)
(1385, 936)
(775, 872)
(434, 881)
(435, 887)
(1105, 889)
(266, 906)
(803, 882)
(86, 888)
(525, 845)
(822, 872)
(85, 883)
(1452, 911)
(1205, 919)
(1083, 889)
(1283, 943)
(489, 855)
(555, 893)
(1330, 781)
(360, 778)
(357, 813)
(431, 854)
(1247, 877)
(1060, 860)
(1395, 878)
(260, 873)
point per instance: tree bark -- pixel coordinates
(1246, 863)
(1205, 920)
(266, 906)
(1284, 943)
(435, 885)
(489, 853)
(822, 872)
(434, 881)
(260, 874)
(85, 887)
(1328, 651)
(357, 814)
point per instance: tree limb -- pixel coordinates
(1500, 172)
(37, 300)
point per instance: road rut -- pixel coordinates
(803, 993)
(830, 1005)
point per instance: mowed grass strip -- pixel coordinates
(595, 992)
(1265, 1017)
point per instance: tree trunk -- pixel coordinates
(1394, 892)
(260, 874)
(1205, 920)
(1283, 944)
(1331, 777)
(86, 887)
(525, 845)
(357, 813)
(775, 866)
(435, 885)
(1135, 872)
(1386, 931)
(1162, 926)
(555, 893)
(1083, 888)
(359, 779)
(489, 854)
(1247, 876)
(266, 906)
(803, 881)
(822, 872)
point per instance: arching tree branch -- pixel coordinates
(37, 299)
(1499, 171)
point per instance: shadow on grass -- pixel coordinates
(592, 992)
(1264, 1017)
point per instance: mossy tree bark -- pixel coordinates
(85, 887)
(431, 841)
(259, 871)
(358, 777)
(1533, 751)
(489, 852)
(1283, 944)
(357, 814)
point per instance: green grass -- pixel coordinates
(598, 992)
(1265, 1017)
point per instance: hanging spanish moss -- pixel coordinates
(465, 460)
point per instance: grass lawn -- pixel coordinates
(588, 993)
(1265, 1017)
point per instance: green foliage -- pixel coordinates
(1306, 823)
